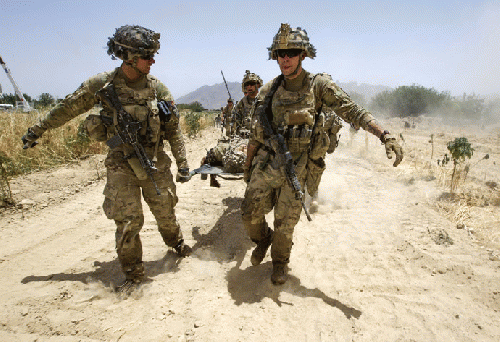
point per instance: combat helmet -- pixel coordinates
(288, 38)
(250, 77)
(130, 42)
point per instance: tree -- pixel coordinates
(9, 99)
(194, 106)
(12, 98)
(45, 100)
(409, 101)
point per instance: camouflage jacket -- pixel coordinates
(84, 99)
(241, 113)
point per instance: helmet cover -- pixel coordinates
(288, 38)
(129, 42)
(250, 77)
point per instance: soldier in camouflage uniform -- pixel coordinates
(241, 113)
(296, 108)
(227, 117)
(139, 92)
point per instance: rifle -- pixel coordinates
(127, 130)
(226, 85)
(276, 142)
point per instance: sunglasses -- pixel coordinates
(250, 83)
(290, 53)
(148, 57)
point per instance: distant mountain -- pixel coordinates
(367, 90)
(215, 96)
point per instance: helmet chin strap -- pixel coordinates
(134, 66)
(296, 71)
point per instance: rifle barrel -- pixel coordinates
(226, 84)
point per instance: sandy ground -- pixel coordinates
(382, 260)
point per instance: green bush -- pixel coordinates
(45, 100)
(193, 106)
(193, 124)
(459, 149)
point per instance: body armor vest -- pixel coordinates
(142, 105)
(294, 114)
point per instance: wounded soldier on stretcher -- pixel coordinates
(225, 160)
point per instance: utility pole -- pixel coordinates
(26, 106)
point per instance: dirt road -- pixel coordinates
(377, 263)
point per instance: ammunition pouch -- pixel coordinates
(297, 137)
(320, 145)
(334, 142)
(332, 124)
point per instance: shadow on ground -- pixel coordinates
(253, 284)
(109, 272)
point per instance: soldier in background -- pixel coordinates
(139, 93)
(227, 117)
(295, 113)
(218, 120)
(241, 113)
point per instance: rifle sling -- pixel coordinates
(269, 113)
(269, 99)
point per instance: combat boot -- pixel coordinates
(279, 275)
(128, 286)
(182, 249)
(260, 251)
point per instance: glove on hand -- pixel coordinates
(29, 139)
(182, 175)
(392, 145)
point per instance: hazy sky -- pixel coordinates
(454, 46)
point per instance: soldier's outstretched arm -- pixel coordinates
(333, 96)
(79, 102)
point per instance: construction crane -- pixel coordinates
(26, 106)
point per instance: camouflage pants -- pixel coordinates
(122, 203)
(268, 190)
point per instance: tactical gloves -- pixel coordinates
(392, 145)
(182, 175)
